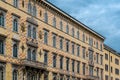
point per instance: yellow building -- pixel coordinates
(38, 41)
(111, 63)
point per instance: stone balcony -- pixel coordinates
(90, 77)
(34, 64)
(32, 42)
(91, 63)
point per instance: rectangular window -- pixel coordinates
(73, 64)
(83, 52)
(15, 23)
(2, 19)
(111, 58)
(117, 71)
(106, 67)
(67, 29)
(101, 59)
(97, 72)
(61, 62)
(15, 3)
(91, 41)
(78, 35)
(73, 48)
(78, 67)
(54, 22)
(91, 70)
(45, 57)
(54, 76)
(1, 46)
(46, 17)
(106, 56)
(106, 77)
(61, 25)
(54, 40)
(67, 46)
(45, 37)
(84, 68)
(111, 69)
(67, 64)
(78, 50)
(90, 55)
(116, 61)
(54, 60)
(61, 43)
(97, 58)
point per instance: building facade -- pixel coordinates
(38, 41)
(111, 63)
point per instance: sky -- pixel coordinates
(102, 16)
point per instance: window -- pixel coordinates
(111, 58)
(83, 37)
(54, 60)
(83, 68)
(67, 29)
(73, 32)
(61, 62)
(97, 72)
(15, 24)
(15, 49)
(45, 57)
(2, 73)
(61, 77)
(54, 22)
(61, 25)
(34, 11)
(34, 33)
(101, 46)
(97, 45)
(78, 35)
(1, 46)
(106, 56)
(67, 64)
(106, 77)
(90, 55)
(101, 74)
(67, 46)
(78, 67)
(45, 37)
(106, 67)
(2, 19)
(117, 71)
(68, 77)
(73, 64)
(116, 61)
(78, 50)
(61, 43)
(15, 3)
(54, 40)
(15, 75)
(83, 52)
(117, 79)
(46, 17)
(101, 59)
(91, 70)
(73, 48)
(111, 69)
(34, 55)
(29, 8)
(45, 76)
(31, 55)
(91, 41)
(54, 76)
(97, 58)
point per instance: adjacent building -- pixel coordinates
(39, 41)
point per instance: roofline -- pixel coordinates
(111, 50)
(73, 19)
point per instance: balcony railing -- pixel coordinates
(34, 64)
(92, 77)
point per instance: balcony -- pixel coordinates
(91, 63)
(90, 77)
(32, 42)
(34, 64)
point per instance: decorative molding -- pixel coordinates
(22, 27)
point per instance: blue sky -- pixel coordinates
(102, 16)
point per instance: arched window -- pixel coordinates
(15, 25)
(29, 31)
(15, 50)
(34, 33)
(29, 54)
(2, 20)
(34, 11)
(54, 22)
(15, 75)
(1, 73)
(34, 55)
(29, 8)
(46, 17)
